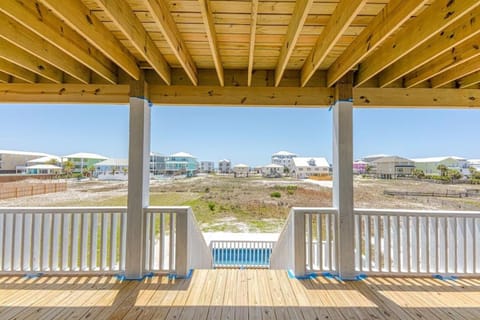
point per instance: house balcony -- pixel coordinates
(70, 262)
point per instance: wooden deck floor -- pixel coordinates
(237, 294)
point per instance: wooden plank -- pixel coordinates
(63, 93)
(23, 38)
(215, 310)
(464, 29)
(16, 71)
(343, 16)
(180, 299)
(83, 21)
(300, 13)
(456, 56)
(41, 21)
(4, 78)
(21, 58)
(241, 297)
(165, 22)
(416, 98)
(128, 23)
(268, 312)
(469, 81)
(254, 304)
(251, 49)
(392, 16)
(207, 16)
(430, 22)
(192, 309)
(460, 71)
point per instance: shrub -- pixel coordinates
(275, 194)
(211, 206)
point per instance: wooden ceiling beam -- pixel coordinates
(300, 13)
(340, 20)
(457, 33)
(17, 72)
(469, 81)
(451, 59)
(251, 48)
(78, 17)
(25, 60)
(4, 78)
(20, 36)
(124, 18)
(430, 22)
(209, 23)
(45, 24)
(164, 20)
(393, 15)
(456, 73)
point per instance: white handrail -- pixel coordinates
(307, 242)
(70, 239)
(417, 242)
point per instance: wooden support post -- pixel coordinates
(138, 179)
(343, 176)
(299, 262)
(181, 244)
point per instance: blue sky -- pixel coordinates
(247, 135)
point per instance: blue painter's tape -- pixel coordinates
(150, 104)
(172, 276)
(122, 277)
(329, 275)
(445, 277)
(33, 275)
(307, 276)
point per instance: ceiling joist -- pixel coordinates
(451, 59)
(132, 28)
(393, 15)
(164, 20)
(251, 48)
(41, 21)
(23, 38)
(456, 73)
(340, 20)
(300, 13)
(462, 30)
(17, 72)
(79, 18)
(25, 60)
(469, 81)
(430, 22)
(4, 78)
(208, 21)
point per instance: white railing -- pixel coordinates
(417, 242)
(173, 242)
(35, 240)
(241, 254)
(307, 242)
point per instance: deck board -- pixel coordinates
(238, 294)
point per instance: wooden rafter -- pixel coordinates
(164, 20)
(79, 17)
(251, 47)
(39, 20)
(17, 72)
(209, 23)
(469, 81)
(392, 16)
(462, 30)
(438, 16)
(295, 26)
(23, 38)
(4, 78)
(340, 20)
(123, 16)
(456, 73)
(449, 60)
(25, 60)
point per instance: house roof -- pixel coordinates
(241, 165)
(305, 162)
(113, 162)
(283, 153)
(45, 159)
(24, 153)
(437, 159)
(43, 166)
(85, 155)
(391, 158)
(242, 53)
(182, 155)
(273, 165)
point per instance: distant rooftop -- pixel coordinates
(24, 153)
(437, 159)
(241, 165)
(182, 154)
(310, 161)
(283, 153)
(85, 155)
(45, 159)
(113, 162)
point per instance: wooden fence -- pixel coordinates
(448, 193)
(16, 190)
